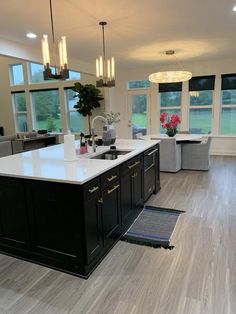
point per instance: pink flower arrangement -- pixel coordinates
(170, 123)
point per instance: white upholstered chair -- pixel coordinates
(170, 155)
(196, 156)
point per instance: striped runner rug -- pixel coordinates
(153, 227)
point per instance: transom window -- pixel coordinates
(138, 84)
(16, 74)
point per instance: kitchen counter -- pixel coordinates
(48, 163)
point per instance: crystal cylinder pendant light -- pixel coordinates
(61, 72)
(105, 68)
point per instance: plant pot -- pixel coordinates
(171, 132)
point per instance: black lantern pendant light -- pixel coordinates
(61, 72)
(105, 68)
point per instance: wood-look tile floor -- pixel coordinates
(197, 276)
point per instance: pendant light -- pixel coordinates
(62, 72)
(170, 76)
(105, 68)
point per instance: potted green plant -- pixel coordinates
(89, 97)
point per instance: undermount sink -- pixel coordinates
(111, 154)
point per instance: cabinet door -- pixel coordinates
(137, 188)
(149, 182)
(13, 213)
(111, 213)
(131, 189)
(126, 198)
(55, 219)
(150, 171)
(157, 169)
(93, 228)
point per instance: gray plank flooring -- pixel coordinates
(197, 276)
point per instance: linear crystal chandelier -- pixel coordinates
(61, 72)
(105, 68)
(170, 76)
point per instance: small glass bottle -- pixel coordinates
(83, 149)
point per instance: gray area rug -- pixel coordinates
(153, 227)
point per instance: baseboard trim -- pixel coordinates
(223, 154)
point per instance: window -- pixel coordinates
(228, 104)
(200, 101)
(139, 114)
(170, 99)
(16, 74)
(36, 72)
(138, 84)
(73, 75)
(76, 120)
(46, 110)
(20, 111)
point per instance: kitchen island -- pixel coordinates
(68, 214)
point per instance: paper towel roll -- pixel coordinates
(69, 147)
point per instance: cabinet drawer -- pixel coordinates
(91, 189)
(150, 158)
(109, 177)
(132, 164)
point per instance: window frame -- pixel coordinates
(17, 112)
(32, 104)
(68, 110)
(194, 85)
(226, 87)
(11, 74)
(167, 88)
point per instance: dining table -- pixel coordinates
(179, 137)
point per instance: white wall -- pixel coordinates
(6, 108)
(119, 97)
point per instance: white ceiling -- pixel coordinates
(138, 32)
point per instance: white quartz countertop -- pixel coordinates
(48, 163)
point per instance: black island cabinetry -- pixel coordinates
(71, 227)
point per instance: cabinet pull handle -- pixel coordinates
(113, 189)
(111, 178)
(134, 175)
(100, 200)
(95, 188)
(152, 152)
(134, 164)
(152, 165)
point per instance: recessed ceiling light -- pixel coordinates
(234, 8)
(31, 35)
